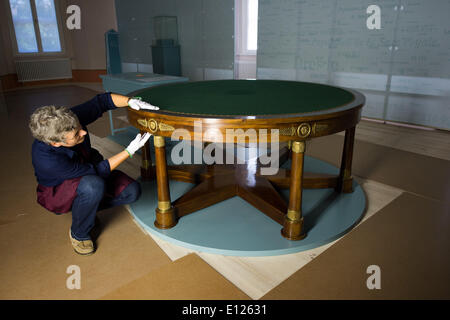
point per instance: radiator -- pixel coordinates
(33, 70)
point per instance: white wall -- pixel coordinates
(88, 43)
(6, 52)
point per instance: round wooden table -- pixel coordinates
(283, 114)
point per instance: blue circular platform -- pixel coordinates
(234, 227)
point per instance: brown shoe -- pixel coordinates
(84, 247)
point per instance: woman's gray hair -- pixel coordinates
(51, 123)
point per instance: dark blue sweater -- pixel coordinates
(53, 165)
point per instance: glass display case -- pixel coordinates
(165, 29)
(165, 47)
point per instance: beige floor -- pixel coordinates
(236, 277)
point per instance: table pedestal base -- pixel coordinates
(235, 227)
(216, 183)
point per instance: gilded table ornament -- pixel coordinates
(304, 130)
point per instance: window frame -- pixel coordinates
(37, 32)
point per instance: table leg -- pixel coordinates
(345, 181)
(147, 168)
(165, 213)
(293, 221)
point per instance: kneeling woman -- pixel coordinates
(73, 176)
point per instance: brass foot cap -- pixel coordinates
(160, 226)
(291, 237)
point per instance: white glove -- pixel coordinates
(137, 104)
(138, 143)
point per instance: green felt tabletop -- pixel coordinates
(246, 97)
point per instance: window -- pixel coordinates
(252, 25)
(247, 16)
(36, 26)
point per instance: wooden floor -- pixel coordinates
(260, 276)
(426, 141)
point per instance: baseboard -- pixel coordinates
(10, 82)
(87, 75)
